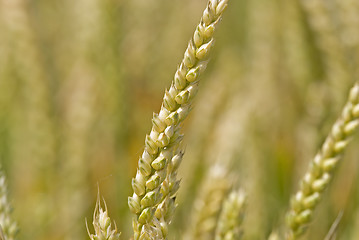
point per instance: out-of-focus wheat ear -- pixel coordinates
(348, 18)
(155, 184)
(79, 91)
(2, 237)
(336, 66)
(208, 204)
(231, 217)
(274, 236)
(262, 70)
(320, 171)
(31, 107)
(102, 224)
(7, 224)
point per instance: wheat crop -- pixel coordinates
(254, 96)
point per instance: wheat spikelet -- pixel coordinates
(151, 190)
(319, 174)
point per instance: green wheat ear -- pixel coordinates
(155, 184)
(319, 174)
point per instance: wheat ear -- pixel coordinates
(102, 224)
(208, 204)
(348, 11)
(7, 226)
(318, 176)
(30, 109)
(231, 217)
(334, 59)
(274, 236)
(161, 145)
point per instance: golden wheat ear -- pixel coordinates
(155, 184)
(320, 171)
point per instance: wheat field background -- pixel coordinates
(79, 81)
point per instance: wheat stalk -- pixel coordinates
(151, 190)
(318, 176)
(332, 233)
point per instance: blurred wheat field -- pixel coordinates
(79, 81)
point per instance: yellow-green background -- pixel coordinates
(79, 81)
